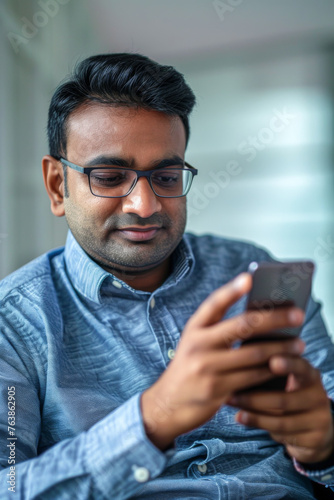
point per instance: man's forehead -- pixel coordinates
(95, 125)
(109, 117)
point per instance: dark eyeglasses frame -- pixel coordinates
(140, 173)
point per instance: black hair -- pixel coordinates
(120, 79)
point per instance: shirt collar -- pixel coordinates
(88, 277)
(183, 261)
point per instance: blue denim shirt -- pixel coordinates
(77, 349)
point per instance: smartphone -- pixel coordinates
(275, 285)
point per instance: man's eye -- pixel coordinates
(110, 178)
(166, 178)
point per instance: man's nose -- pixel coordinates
(142, 200)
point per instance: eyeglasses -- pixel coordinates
(117, 182)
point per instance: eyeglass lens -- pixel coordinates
(118, 182)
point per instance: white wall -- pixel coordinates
(278, 193)
(281, 199)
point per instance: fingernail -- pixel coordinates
(298, 346)
(242, 417)
(240, 281)
(296, 316)
(280, 364)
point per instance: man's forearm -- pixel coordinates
(111, 460)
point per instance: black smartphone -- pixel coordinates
(278, 284)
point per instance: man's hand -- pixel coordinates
(206, 370)
(300, 417)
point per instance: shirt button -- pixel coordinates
(326, 477)
(171, 353)
(117, 284)
(141, 474)
(202, 468)
(152, 303)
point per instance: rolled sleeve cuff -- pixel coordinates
(119, 454)
(325, 476)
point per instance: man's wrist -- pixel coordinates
(317, 466)
(157, 422)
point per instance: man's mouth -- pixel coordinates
(139, 233)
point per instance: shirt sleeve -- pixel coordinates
(322, 476)
(320, 352)
(112, 459)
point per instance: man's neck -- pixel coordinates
(147, 281)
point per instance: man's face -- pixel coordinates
(108, 228)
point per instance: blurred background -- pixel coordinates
(262, 133)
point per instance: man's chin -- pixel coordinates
(130, 269)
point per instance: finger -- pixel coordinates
(309, 447)
(247, 356)
(307, 440)
(239, 380)
(254, 323)
(304, 373)
(216, 305)
(286, 425)
(272, 403)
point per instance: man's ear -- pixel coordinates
(53, 175)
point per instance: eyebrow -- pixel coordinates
(121, 162)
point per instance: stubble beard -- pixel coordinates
(114, 254)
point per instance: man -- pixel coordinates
(119, 377)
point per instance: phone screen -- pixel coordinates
(278, 284)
